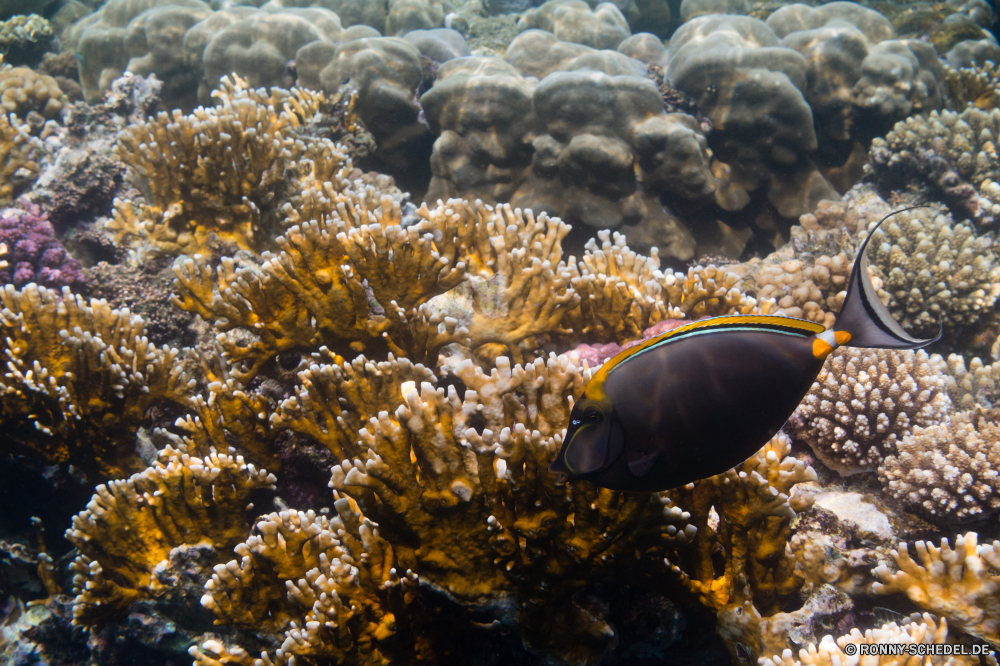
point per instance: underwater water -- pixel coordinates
(494, 332)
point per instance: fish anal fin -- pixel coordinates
(639, 462)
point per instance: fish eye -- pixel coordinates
(593, 416)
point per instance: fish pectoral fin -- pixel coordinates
(640, 462)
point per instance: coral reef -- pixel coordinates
(864, 402)
(23, 90)
(948, 471)
(957, 583)
(18, 150)
(602, 27)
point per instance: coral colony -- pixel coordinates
(297, 300)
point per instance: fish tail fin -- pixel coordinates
(863, 316)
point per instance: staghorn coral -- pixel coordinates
(227, 171)
(937, 272)
(976, 85)
(949, 471)
(864, 401)
(830, 652)
(35, 254)
(331, 585)
(79, 379)
(745, 514)
(957, 583)
(330, 278)
(131, 527)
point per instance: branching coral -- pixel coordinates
(130, 527)
(957, 583)
(864, 401)
(954, 152)
(228, 170)
(976, 85)
(831, 652)
(332, 585)
(935, 271)
(948, 471)
(79, 379)
(17, 152)
(745, 514)
(354, 277)
(972, 386)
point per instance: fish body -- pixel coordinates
(700, 399)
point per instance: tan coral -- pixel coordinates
(332, 586)
(832, 652)
(864, 401)
(23, 90)
(935, 271)
(17, 152)
(79, 379)
(972, 386)
(350, 280)
(978, 85)
(948, 472)
(745, 514)
(227, 171)
(130, 527)
(957, 583)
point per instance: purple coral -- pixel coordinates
(33, 252)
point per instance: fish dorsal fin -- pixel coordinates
(640, 463)
(863, 314)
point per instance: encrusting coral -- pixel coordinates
(864, 401)
(131, 528)
(79, 379)
(958, 583)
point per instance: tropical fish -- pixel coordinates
(702, 398)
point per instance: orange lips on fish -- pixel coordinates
(700, 399)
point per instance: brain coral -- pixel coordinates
(948, 471)
(864, 402)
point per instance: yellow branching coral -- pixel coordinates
(472, 508)
(333, 587)
(130, 527)
(958, 583)
(348, 281)
(746, 514)
(17, 152)
(978, 85)
(79, 379)
(623, 293)
(334, 401)
(228, 171)
(831, 652)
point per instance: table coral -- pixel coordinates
(830, 652)
(745, 514)
(937, 272)
(949, 471)
(35, 254)
(957, 583)
(864, 401)
(130, 527)
(80, 379)
(226, 171)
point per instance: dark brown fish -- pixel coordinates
(700, 399)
